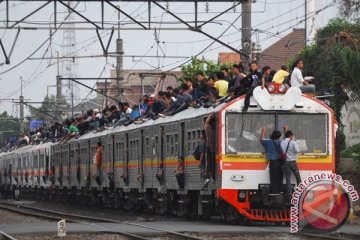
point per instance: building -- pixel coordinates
(283, 50)
(228, 57)
(135, 84)
(351, 122)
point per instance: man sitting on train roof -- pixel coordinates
(238, 86)
(281, 75)
(73, 131)
(23, 139)
(221, 85)
(256, 79)
(297, 79)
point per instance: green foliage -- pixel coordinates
(9, 126)
(200, 65)
(350, 8)
(48, 110)
(334, 60)
(354, 153)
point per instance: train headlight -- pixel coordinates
(242, 196)
(282, 88)
(270, 88)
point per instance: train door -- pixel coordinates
(147, 167)
(126, 161)
(66, 164)
(84, 163)
(58, 166)
(191, 141)
(18, 169)
(78, 164)
(119, 160)
(42, 166)
(47, 166)
(52, 164)
(10, 171)
(157, 156)
(24, 168)
(171, 153)
(95, 178)
(73, 164)
(108, 158)
(134, 158)
(111, 146)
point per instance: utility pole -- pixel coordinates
(309, 22)
(142, 76)
(119, 63)
(246, 32)
(21, 108)
(58, 84)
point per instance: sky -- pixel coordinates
(271, 20)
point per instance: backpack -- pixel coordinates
(197, 153)
(282, 155)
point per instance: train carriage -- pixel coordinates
(139, 160)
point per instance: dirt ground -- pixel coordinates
(75, 237)
(7, 217)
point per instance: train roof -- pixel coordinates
(27, 148)
(262, 99)
(188, 113)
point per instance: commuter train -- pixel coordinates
(134, 154)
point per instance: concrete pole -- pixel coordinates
(142, 76)
(21, 108)
(246, 42)
(119, 63)
(310, 30)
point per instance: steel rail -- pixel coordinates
(95, 219)
(61, 216)
(321, 236)
(5, 236)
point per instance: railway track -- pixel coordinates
(91, 221)
(332, 236)
(5, 236)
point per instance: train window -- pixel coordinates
(243, 131)
(311, 138)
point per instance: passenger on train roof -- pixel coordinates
(297, 79)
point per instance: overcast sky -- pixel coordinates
(273, 19)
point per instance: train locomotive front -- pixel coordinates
(245, 183)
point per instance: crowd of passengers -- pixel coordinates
(203, 91)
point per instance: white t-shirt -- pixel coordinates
(297, 78)
(27, 139)
(292, 151)
(128, 111)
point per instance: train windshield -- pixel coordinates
(243, 131)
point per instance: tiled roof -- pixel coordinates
(280, 52)
(132, 85)
(228, 57)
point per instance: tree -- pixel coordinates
(350, 8)
(49, 111)
(334, 60)
(9, 127)
(200, 65)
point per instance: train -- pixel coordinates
(134, 154)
